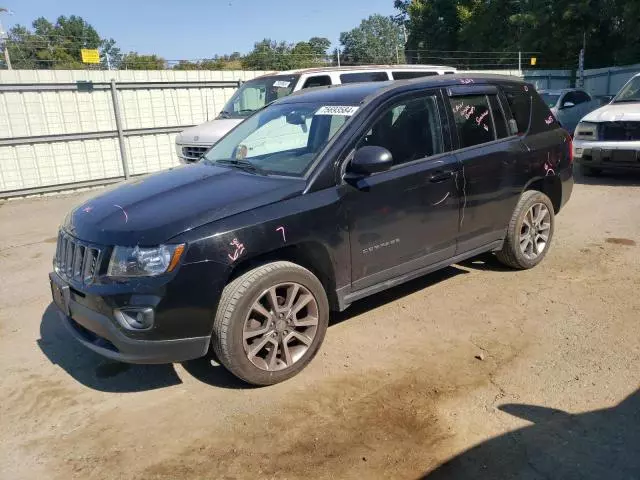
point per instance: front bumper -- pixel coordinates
(90, 320)
(607, 154)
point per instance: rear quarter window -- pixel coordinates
(542, 119)
(408, 75)
(364, 77)
(519, 100)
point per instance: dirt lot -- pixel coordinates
(538, 370)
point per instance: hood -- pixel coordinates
(621, 112)
(151, 210)
(207, 133)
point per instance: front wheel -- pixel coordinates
(529, 232)
(270, 323)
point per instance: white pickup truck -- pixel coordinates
(609, 137)
(193, 142)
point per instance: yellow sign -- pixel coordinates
(90, 55)
(533, 60)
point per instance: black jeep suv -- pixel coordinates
(316, 201)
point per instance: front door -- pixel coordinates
(407, 217)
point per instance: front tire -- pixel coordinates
(529, 232)
(270, 323)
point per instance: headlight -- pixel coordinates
(144, 262)
(586, 131)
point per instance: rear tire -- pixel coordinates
(270, 323)
(529, 233)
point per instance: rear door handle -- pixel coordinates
(441, 176)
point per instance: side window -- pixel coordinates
(415, 74)
(570, 97)
(473, 120)
(317, 81)
(364, 77)
(519, 102)
(498, 117)
(336, 122)
(410, 130)
(581, 97)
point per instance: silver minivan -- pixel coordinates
(255, 94)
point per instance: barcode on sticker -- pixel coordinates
(281, 84)
(346, 110)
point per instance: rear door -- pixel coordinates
(488, 153)
(407, 217)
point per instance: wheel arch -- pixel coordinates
(551, 186)
(308, 254)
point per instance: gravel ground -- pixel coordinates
(473, 372)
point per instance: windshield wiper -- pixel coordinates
(627, 100)
(242, 165)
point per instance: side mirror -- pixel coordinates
(295, 118)
(370, 159)
(568, 105)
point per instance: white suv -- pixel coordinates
(609, 138)
(255, 94)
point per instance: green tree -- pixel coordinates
(378, 39)
(272, 55)
(56, 45)
(136, 61)
(554, 28)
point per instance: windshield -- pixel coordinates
(256, 93)
(550, 99)
(630, 92)
(282, 139)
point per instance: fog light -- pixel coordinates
(135, 318)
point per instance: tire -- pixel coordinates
(589, 171)
(513, 253)
(240, 313)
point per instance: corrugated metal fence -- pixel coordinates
(59, 128)
(598, 82)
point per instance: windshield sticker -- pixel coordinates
(281, 84)
(346, 110)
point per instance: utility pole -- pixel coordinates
(520, 62)
(338, 55)
(3, 40)
(580, 82)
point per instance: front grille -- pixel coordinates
(193, 153)
(76, 260)
(620, 131)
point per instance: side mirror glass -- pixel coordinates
(370, 159)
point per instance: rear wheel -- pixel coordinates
(530, 231)
(270, 323)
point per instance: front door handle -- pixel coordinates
(441, 176)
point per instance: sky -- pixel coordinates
(191, 29)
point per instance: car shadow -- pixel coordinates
(98, 373)
(559, 445)
(629, 178)
(391, 295)
(93, 370)
(486, 262)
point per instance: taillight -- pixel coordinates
(570, 142)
